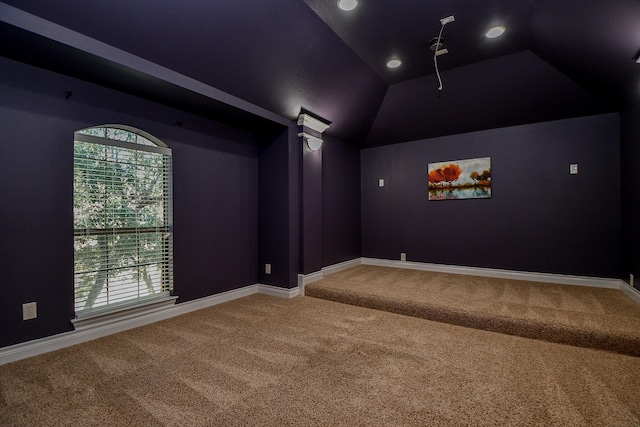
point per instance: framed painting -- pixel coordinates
(460, 179)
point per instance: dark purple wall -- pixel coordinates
(274, 216)
(273, 54)
(36, 208)
(215, 195)
(510, 90)
(215, 215)
(295, 173)
(630, 155)
(539, 219)
(340, 201)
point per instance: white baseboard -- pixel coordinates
(341, 266)
(560, 279)
(630, 291)
(275, 291)
(312, 277)
(305, 279)
(98, 328)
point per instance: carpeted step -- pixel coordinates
(603, 319)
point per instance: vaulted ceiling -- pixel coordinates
(248, 61)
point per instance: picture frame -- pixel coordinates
(460, 179)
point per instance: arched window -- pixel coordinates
(122, 215)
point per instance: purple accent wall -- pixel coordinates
(244, 35)
(340, 201)
(216, 170)
(295, 232)
(630, 157)
(510, 90)
(36, 209)
(215, 215)
(539, 219)
(274, 216)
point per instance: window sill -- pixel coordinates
(100, 319)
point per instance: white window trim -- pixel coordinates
(110, 315)
(125, 310)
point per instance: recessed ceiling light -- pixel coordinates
(347, 4)
(495, 32)
(394, 63)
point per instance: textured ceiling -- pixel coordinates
(558, 59)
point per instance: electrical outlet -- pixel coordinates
(267, 268)
(631, 280)
(403, 256)
(29, 311)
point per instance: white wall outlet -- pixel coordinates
(29, 311)
(381, 183)
(403, 256)
(573, 169)
(267, 268)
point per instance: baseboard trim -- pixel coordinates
(111, 325)
(341, 266)
(275, 291)
(499, 274)
(630, 291)
(311, 277)
(305, 279)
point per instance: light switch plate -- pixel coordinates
(573, 169)
(381, 183)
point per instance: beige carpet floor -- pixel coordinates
(264, 361)
(583, 316)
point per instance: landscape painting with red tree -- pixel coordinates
(460, 179)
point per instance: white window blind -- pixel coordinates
(122, 207)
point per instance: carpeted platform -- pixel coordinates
(604, 319)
